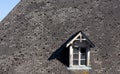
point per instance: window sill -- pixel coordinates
(79, 68)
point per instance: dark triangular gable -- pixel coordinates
(90, 43)
(87, 39)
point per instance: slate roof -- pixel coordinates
(34, 29)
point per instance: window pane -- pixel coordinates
(83, 50)
(75, 56)
(83, 62)
(75, 62)
(83, 56)
(75, 50)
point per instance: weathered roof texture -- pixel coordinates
(34, 29)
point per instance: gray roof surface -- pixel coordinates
(34, 29)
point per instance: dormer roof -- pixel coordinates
(80, 39)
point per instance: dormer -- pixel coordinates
(79, 52)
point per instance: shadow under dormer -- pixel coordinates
(62, 53)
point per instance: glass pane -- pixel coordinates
(75, 50)
(83, 56)
(83, 62)
(75, 62)
(75, 56)
(83, 50)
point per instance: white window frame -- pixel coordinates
(79, 65)
(79, 57)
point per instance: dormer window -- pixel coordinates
(79, 52)
(79, 56)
